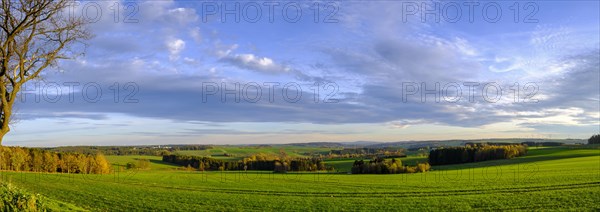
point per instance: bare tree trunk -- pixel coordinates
(2, 133)
(33, 37)
(4, 119)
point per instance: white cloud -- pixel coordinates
(257, 63)
(379, 58)
(463, 46)
(196, 34)
(224, 51)
(406, 123)
(175, 46)
(189, 60)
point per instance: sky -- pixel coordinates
(248, 72)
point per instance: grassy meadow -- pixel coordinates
(239, 152)
(547, 178)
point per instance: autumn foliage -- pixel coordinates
(36, 160)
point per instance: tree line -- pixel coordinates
(545, 143)
(263, 163)
(366, 153)
(112, 150)
(366, 150)
(383, 166)
(158, 150)
(475, 153)
(595, 139)
(37, 160)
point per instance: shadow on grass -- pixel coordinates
(156, 161)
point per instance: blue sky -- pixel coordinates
(369, 61)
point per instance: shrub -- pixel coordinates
(15, 199)
(423, 167)
(130, 165)
(143, 164)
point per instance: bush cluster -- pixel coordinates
(382, 166)
(15, 199)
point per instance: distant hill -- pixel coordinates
(361, 143)
(316, 144)
(438, 143)
(157, 149)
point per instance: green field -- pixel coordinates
(156, 163)
(547, 178)
(239, 152)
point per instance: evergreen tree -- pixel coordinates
(595, 139)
